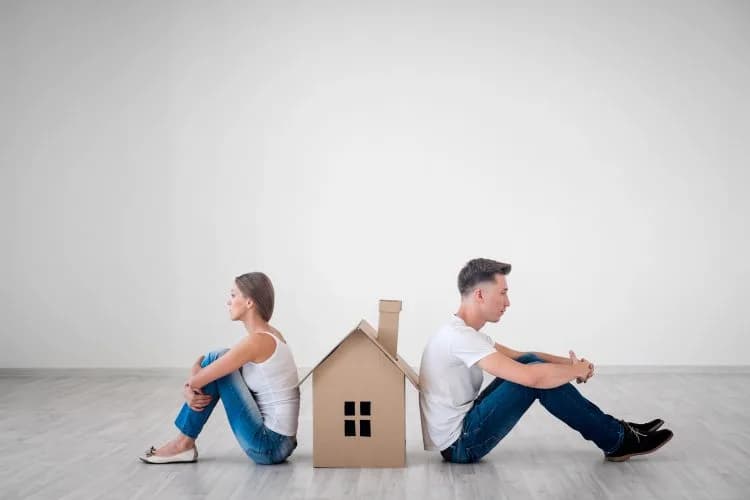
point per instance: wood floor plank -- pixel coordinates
(77, 436)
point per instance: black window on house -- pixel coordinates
(364, 408)
(349, 408)
(364, 428)
(350, 428)
(350, 424)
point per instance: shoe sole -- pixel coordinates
(627, 457)
(145, 460)
(168, 462)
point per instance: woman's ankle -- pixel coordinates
(185, 441)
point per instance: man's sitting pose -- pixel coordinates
(465, 427)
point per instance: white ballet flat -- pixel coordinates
(186, 457)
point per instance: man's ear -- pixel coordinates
(479, 294)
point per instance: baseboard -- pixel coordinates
(179, 372)
(697, 369)
(105, 372)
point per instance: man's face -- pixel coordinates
(493, 298)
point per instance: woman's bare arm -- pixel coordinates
(244, 351)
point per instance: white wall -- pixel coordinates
(151, 151)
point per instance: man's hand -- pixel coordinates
(574, 360)
(195, 398)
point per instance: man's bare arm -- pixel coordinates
(507, 351)
(549, 358)
(539, 375)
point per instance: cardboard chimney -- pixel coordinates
(388, 325)
(359, 417)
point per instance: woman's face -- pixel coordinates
(238, 304)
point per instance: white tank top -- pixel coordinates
(274, 385)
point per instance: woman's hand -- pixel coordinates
(195, 398)
(574, 360)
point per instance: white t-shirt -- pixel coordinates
(450, 380)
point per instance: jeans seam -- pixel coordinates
(569, 398)
(620, 439)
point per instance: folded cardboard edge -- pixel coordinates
(372, 334)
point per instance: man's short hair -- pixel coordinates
(478, 271)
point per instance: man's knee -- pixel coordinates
(529, 357)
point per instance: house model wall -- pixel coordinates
(359, 419)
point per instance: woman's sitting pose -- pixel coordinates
(256, 380)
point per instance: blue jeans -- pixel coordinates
(259, 442)
(502, 404)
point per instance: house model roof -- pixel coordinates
(371, 334)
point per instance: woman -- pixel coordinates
(256, 381)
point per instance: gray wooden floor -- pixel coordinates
(77, 435)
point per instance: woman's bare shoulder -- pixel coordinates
(276, 332)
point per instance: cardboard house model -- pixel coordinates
(359, 417)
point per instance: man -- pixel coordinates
(465, 427)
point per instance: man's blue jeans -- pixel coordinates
(259, 442)
(502, 404)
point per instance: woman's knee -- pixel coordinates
(212, 356)
(529, 357)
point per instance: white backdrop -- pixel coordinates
(151, 151)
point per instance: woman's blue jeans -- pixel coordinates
(502, 404)
(259, 442)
